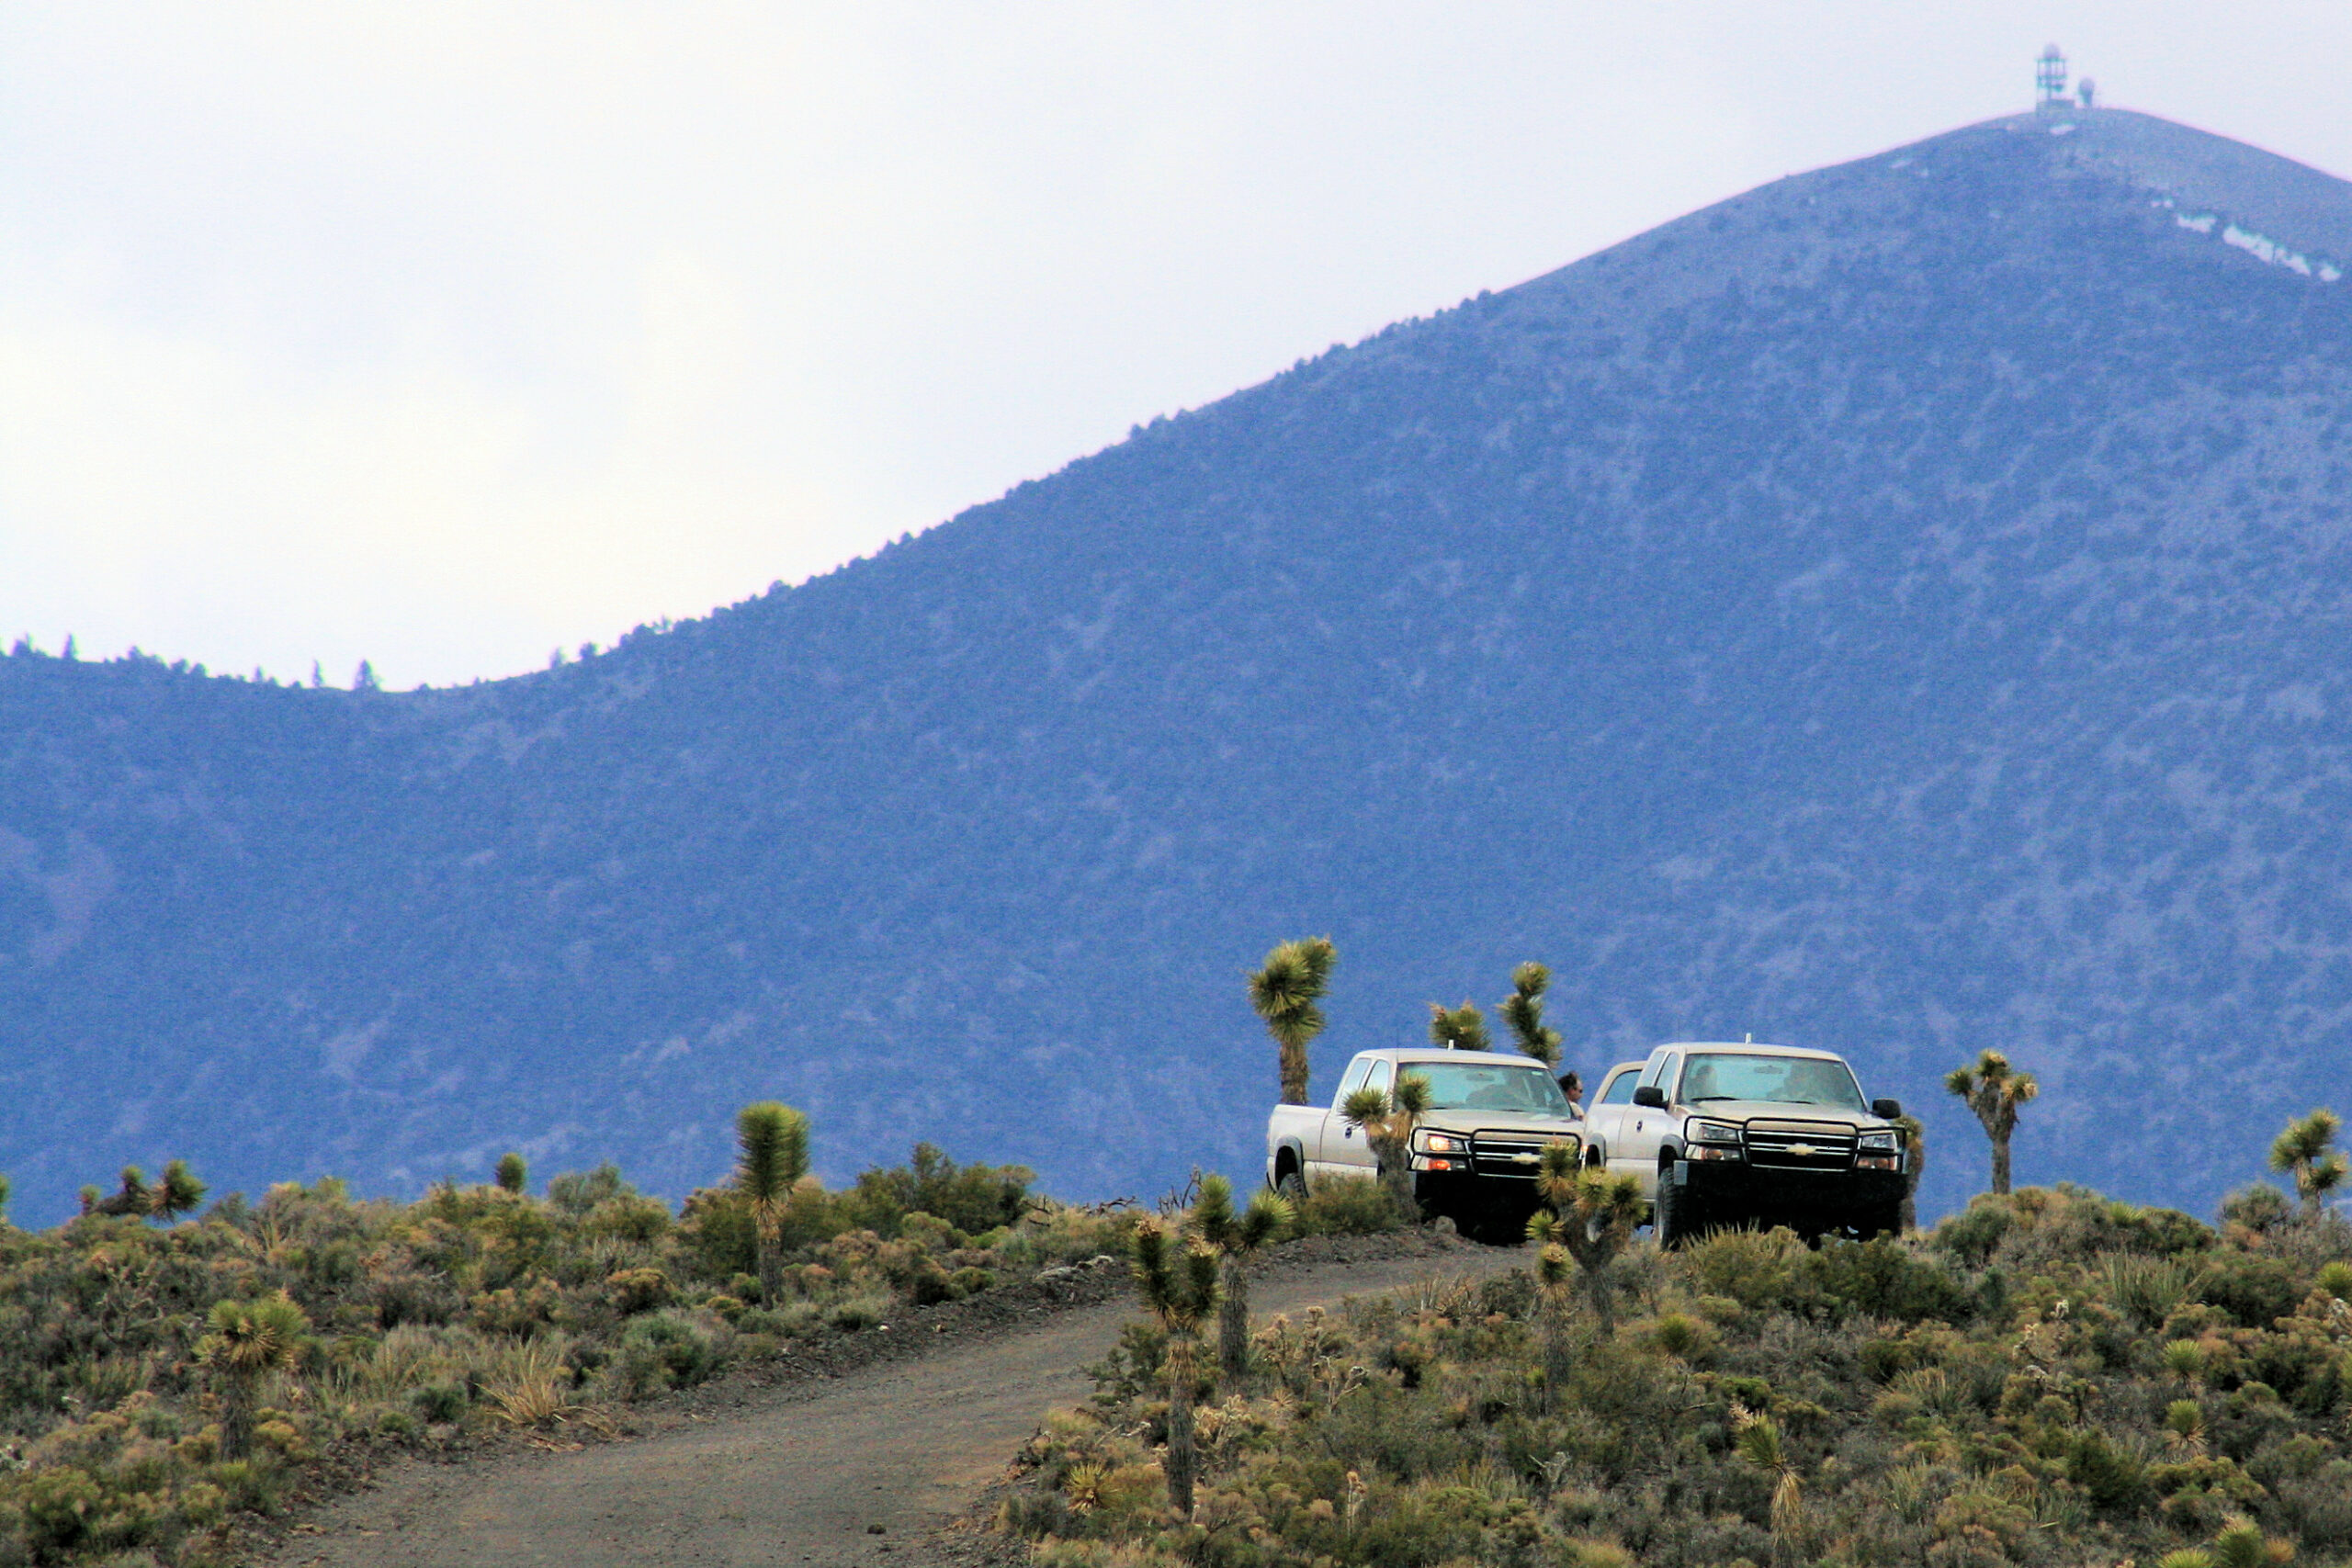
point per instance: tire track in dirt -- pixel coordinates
(792, 1474)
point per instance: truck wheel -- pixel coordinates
(1670, 1227)
(1291, 1189)
(1886, 1220)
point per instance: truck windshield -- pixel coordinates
(1780, 1080)
(1489, 1086)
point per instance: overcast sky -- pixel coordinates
(443, 335)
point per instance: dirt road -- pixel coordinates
(793, 1474)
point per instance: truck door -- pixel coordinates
(1330, 1152)
(1345, 1148)
(1610, 1106)
(1633, 1151)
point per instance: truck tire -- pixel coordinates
(1885, 1219)
(1671, 1224)
(1291, 1189)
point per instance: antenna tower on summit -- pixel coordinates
(2050, 79)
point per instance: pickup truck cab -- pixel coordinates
(1475, 1152)
(1726, 1134)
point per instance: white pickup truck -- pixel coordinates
(1474, 1154)
(1723, 1135)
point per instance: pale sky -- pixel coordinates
(443, 335)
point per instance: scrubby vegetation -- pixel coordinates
(2047, 1377)
(155, 1380)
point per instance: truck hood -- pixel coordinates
(1470, 1120)
(1773, 1111)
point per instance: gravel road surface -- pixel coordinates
(799, 1472)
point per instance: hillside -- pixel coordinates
(1895, 610)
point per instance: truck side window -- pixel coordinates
(1621, 1089)
(1357, 1070)
(1380, 1074)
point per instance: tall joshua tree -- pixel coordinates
(1389, 1119)
(1178, 1280)
(1523, 1012)
(772, 1145)
(1459, 1029)
(1993, 1089)
(2307, 1152)
(250, 1342)
(1235, 1237)
(1590, 1214)
(1284, 994)
(514, 1172)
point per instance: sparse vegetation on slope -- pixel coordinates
(2050, 1377)
(155, 1382)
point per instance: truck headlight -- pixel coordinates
(1882, 1143)
(1442, 1144)
(1698, 1130)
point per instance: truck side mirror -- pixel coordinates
(1649, 1094)
(1889, 1109)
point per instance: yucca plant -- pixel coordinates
(513, 1174)
(1178, 1280)
(1757, 1439)
(4, 1200)
(1592, 1214)
(1388, 1120)
(1284, 994)
(2307, 1152)
(1994, 1090)
(1522, 1011)
(2241, 1544)
(1459, 1029)
(1235, 1237)
(772, 1155)
(251, 1342)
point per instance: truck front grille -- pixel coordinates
(1493, 1155)
(1799, 1145)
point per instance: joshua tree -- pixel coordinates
(4, 1200)
(1284, 994)
(2307, 1152)
(1994, 1091)
(1389, 1121)
(514, 1175)
(1235, 1237)
(773, 1145)
(1590, 1214)
(1178, 1283)
(1523, 1012)
(1461, 1028)
(249, 1342)
(1915, 1166)
(178, 1193)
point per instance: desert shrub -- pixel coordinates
(640, 1290)
(1883, 1278)
(2254, 1291)
(665, 1351)
(970, 1198)
(1339, 1206)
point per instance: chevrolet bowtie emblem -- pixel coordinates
(1802, 1149)
(1527, 1159)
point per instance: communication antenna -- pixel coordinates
(2050, 78)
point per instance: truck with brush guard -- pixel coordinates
(1723, 1136)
